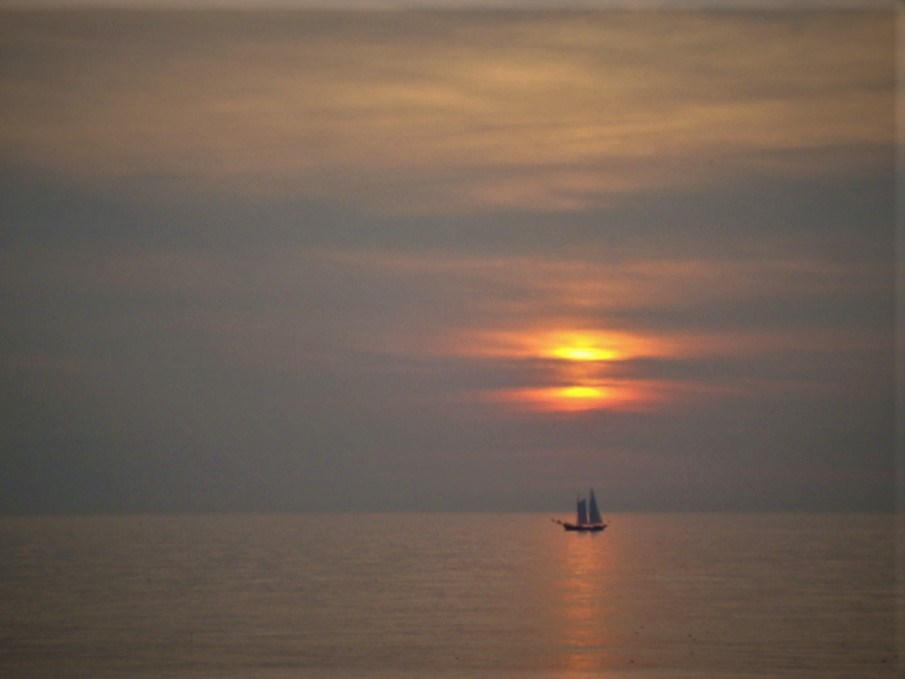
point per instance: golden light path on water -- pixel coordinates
(585, 637)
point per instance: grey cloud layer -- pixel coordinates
(250, 259)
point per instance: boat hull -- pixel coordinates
(584, 527)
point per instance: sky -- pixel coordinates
(465, 260)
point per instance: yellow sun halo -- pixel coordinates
(582, 393)
(572, 398)
(583, 397)
(584, 353)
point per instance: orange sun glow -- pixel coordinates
(580, 397)
(580, 366)
(583, 346)
(584, 353)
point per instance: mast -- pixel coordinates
(595, 513)
(582, 511)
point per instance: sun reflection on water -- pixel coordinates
(585, 640)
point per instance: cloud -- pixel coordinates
(446, 113)
(285, 253)
(415, 328)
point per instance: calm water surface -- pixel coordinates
(473, 596)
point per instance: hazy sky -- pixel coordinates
(477, 260)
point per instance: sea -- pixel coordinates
(471, 596)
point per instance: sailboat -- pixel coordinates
(587, 515)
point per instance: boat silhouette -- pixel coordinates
(588, 517)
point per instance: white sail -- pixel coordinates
(595, 513)
(582, 512)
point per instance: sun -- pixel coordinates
(580, 397)
(572, 398)
(582, 393)
(581, 347)
(584, 353)
(574, 370)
